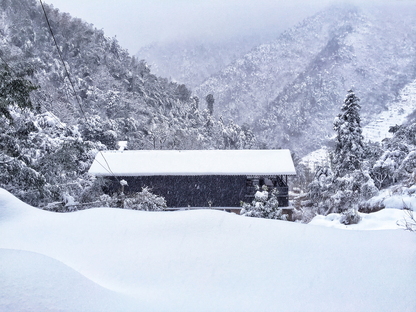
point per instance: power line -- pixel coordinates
(37, 100)
(72, 84)
(73, 88)
(7, 64)
(62, 59)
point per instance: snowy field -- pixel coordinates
(123, 260)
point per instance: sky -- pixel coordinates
(137, 23)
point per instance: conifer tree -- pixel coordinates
(348, 183)
(14, 90)
(351, 181)
(349, 150)
(210, 103)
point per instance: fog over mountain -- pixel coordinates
(291, 89)
(192, 61)
(140, 23)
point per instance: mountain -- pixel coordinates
(106, 86)
(90, 94)
(103, 74)
(192, 61)
(93, 94)
(290, 90)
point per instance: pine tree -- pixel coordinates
(349, 150)
(14, 90)
(210, 103)
(348, 183)
(351, 182)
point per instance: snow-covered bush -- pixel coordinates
(94, 191)
(398, 162)
(107, 201)
(409, 221)
(144, 200)
(321, 189)
(303, 214)
(265, 205)
(350, 216)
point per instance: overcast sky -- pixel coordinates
(137, 23)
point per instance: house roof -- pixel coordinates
(193, 162)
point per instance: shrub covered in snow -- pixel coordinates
(409, 221)
(303, 214)
(144, 200)
(265, 205)
(350, 216)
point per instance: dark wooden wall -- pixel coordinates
(192, 191)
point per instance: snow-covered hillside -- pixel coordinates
(293, 87)
(194, 60)
(396, 114)
(123, 260)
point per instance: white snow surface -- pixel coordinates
(193, 162)
(396, 197)
(108, 259)
(386, 219)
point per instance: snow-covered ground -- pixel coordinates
(396, 114)
(123, 260)
(377, 130)
(319, 157)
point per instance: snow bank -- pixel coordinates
(34, 282)
(386, 219)
(196, 261)
(396, 197)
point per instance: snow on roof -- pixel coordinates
(193, 162)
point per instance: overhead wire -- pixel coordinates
(37, 100)
(108, 169)
(62, 59)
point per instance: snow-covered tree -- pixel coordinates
(15, 90)
(397, 164)
(348, 182)
(351, 181)
(321, 189)
(349, 149)
(210, 103)
(265, 205)
(144, 200)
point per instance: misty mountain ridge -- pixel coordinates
(290, 90)
(191, 61)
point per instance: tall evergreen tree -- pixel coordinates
(210, 103)
(14, 90)
(349, 182)
(349, 150)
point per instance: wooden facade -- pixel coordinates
(209, 178)
(202, 191)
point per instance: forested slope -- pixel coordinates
(108, 96)
(294, 86)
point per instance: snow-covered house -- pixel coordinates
(197, 178)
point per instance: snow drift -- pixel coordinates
(122, 260)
